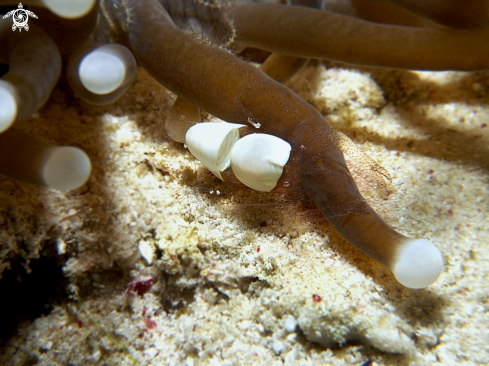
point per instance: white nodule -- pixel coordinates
(67, 168)
(69, 9)
(101, 72)
(418, 264)
(8, 105)
(211, 143)
(258, 160)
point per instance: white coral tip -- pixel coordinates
(418, 264)
(258, 160)
(102, 71)
(67, 168)
(211, 143)
(69, 9)
(8, 105)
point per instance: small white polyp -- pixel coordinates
(69, 9)
(258, 160)
(67, 168)
(418, 265)
(8, 105)
(101, 72)
(211, 143)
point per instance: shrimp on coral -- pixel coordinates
(235, 91)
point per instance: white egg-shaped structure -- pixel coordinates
(258, 160)
(211, 143)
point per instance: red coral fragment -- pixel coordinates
(150, 324)
(140, 286)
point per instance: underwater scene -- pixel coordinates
(141, 225)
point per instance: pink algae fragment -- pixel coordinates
(316, 298)
(150, 324)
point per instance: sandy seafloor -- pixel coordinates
(242, 277)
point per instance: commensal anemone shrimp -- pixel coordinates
(214, 79)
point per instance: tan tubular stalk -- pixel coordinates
(68, 34)
(317, 4)
(34, 68)
(235, 91)
(416, 263)
(183, 115)
(305, 32)
(29, 160)
(378, 12)
(281, 67)
(101, 74)
(467, 14)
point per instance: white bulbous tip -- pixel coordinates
(101, 72)
(8, 106)
(211, 143)
(418, 265)
(69, 9)
(67, 168)
(258, 160)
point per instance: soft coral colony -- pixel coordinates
(274, 140)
